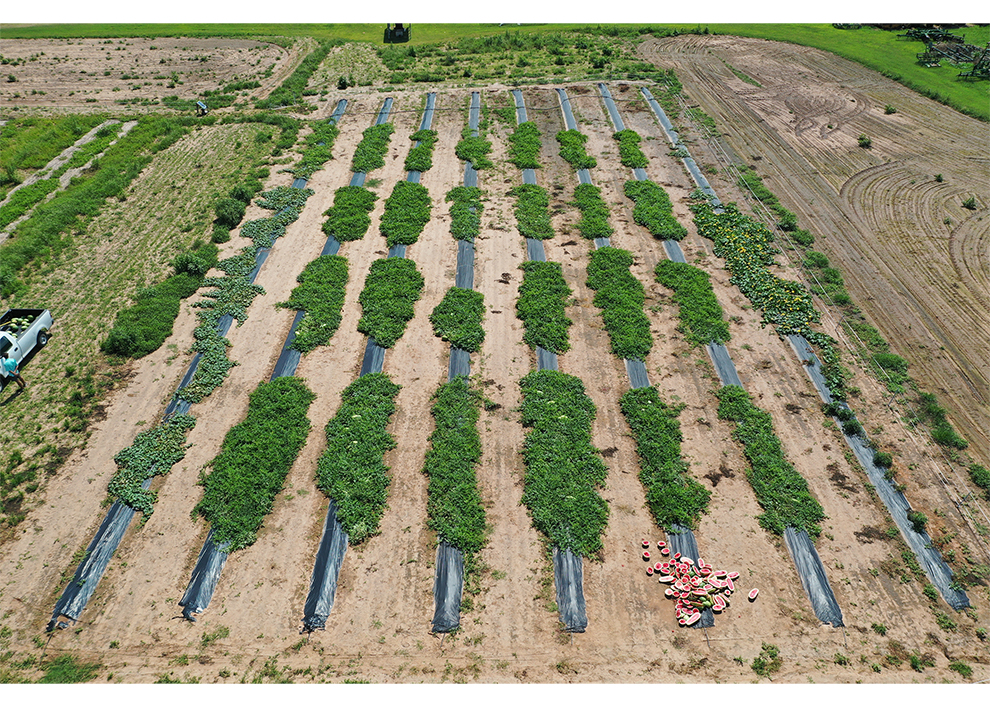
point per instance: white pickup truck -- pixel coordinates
(21, 332)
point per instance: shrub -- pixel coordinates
(221, 234)
(390, 292)
(320, 294)
(457, 319)
(961, 668)
(254, 460)
(370, 152)
(229, 212)
(543, 294)
(981, 477)
(474, 149)
(918, 520)
(970, 203)
(879, 628)
(852, 427)
(803, 237)
(942, 431)
(884, 459)
(865, 142)
(768, 661)
(420, 157)
(317, 150)
(889, 109)
(701, 316)
(620, 296)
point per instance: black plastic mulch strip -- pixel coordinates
(568, 576)
(448, 584)
(682, 540)
(584, 176)
(326, 570)
(813, 578)
(724, 366)
(203, 581)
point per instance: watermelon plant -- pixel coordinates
(153, 453)
(390, 292)
(672, 495)
(407, 211)
(532, 215)
(572, 149)
(629, 153)
(457, 319)
(465, 212)
(320, 294)
(563, 469)
(524, 146)
(351, 471)
(420, 157)
(317, 149)
(370, 152)
(780, 490)
(254, 460)
(620, 296)
(594, 212)
(543, 294)
(454, 505)
(653, 209)
(348, 219)
(702, 319)
(475, 148)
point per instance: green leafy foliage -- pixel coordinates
(67, 669)
(465, 212)
(351, 471)
(320, 294)
(768, 661)
(420, 157)
(981, 477)
(407, 211)
(543, 295)
(532, 215)
(454, 505)
(143, 327)
(594, 212)
(702, 319)
(620, 296)
(24, 199)
(153, 453)
(572, 149)
(229, 212)
(31, 142)
(780, 490)
(672, 495)
(563, 468)
(254, 460)
(291, 90)
(749, 179)
(348, 219)
(457, 319)
(390, 292)
(942, 430)
(653, 209)
(785, 304)
(629, 153)
(524, 146)
(370, 152)
(318, 149)
(474, 149)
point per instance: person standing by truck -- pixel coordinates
(11, 370)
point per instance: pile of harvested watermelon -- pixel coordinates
(693, 588)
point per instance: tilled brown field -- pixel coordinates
(379, 629)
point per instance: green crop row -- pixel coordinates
(320, 294)
(465, 212)
(31, 142)
(287, 203)
(563, 469)
(594, 212)
(49, 229)
(620, 296)
(749, 179)
(22, 200)
(420, 157)
(653, 210)
(104, 136)
(291, 90)
(153, 453)
(370, 152)
(629, 153)
(348, 219)
(786, 305)
(318, 149)
(532, 216)
(352, 471)
(543, 294)
(287, 125)
(254, 460)
(572, 149)
(524, 146)
(780, 490)
(390, 293)
(673, 496)
(474, 149)
(407, 211)
(143, 327)
(457, 319)
(454, 504)
(702, 319)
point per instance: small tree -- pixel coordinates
(865, 142)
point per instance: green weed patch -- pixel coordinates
(629, 153)
(572, 149)
(702, 319)
(457, 319)
(407, 211)
(563, 469)
(454, 504)
(543, 295)
(291, 92)
(320, 294)
(24, 199)
(317, 149)
(653, 209)
(532, 215)
(465, 212)
(348, 219)
(390, 292)
(594, 212)
(780, 490)
(254, 460)
(672, 495)
(351, 471)
(620, 296)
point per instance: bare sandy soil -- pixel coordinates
(379, 629)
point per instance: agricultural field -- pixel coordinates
(890, 258)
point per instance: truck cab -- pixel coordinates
(22, 332)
